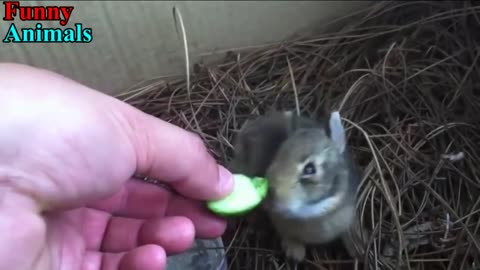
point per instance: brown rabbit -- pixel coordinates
(312, 179)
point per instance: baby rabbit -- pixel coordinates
(312, 179)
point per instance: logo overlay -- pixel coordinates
(38, 34)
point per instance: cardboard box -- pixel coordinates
(133, 41)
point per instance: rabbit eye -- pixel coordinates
(309, 169)
(308, 173)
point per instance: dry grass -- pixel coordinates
(406, 78)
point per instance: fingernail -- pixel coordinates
(226, 180)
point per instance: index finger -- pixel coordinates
(177, 157)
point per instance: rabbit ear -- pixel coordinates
(337, 131)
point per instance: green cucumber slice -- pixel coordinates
(247, 194)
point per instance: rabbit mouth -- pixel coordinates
(299, 209)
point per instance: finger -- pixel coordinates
(136, 199)
(95, 223)
(173, 234)
(103, 232)
(148, 257)
(143, 201)
(206, 224)
(180, 158)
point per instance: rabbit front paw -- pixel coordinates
(293, 249)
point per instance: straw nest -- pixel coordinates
(405, 77)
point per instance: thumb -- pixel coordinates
(177, 157)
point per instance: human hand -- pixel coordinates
(67, 200)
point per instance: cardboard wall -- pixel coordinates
(134, 41)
